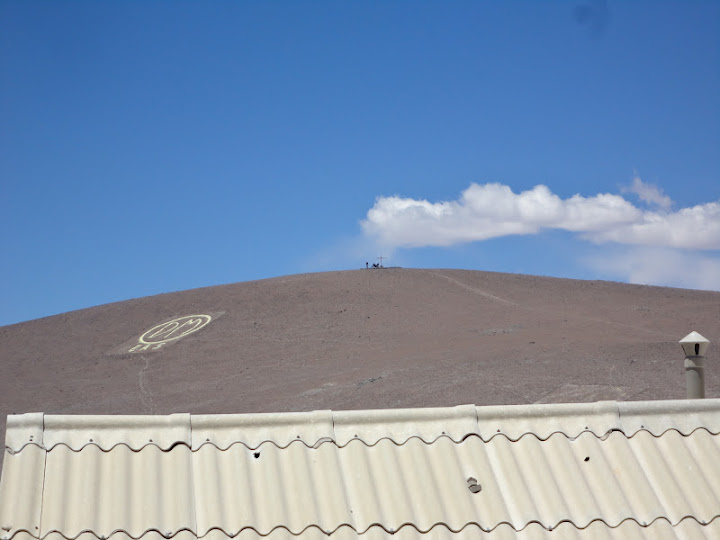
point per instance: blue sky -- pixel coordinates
(148, 147)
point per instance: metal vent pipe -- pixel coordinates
(694, 346)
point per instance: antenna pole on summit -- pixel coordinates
(381, 260)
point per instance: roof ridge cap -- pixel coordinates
(370, 425)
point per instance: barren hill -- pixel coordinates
(360, 339)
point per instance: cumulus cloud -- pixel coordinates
(648, 193)
(485, 211)
(661, 266)
(697, 227)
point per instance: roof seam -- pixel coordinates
(343, 476)
(42, 492)
(192, 479)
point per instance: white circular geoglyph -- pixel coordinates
(175, 329)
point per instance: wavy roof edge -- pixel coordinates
(659, 528)
(370, 426)
(688, 527)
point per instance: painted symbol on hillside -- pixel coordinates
(169, 332)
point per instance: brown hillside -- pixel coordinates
(363, 339)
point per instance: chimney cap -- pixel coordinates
(694, 344)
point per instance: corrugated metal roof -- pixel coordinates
(615, 470)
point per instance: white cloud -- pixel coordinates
(661, 266)
(697, 227)
(648, 193)
(486, 211)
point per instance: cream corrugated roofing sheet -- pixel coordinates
(598, 470)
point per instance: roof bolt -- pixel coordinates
(473, 486)
(7, 527)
